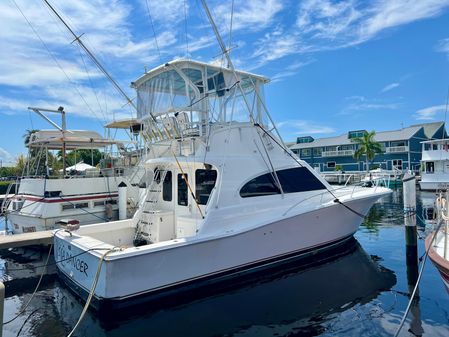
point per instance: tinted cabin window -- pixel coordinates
(259, 186)
(298, 179)
(205, 182)
(182, 190)
(167, 187)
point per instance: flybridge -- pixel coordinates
(184, 96)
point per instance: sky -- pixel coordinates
(334, 66)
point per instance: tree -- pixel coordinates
(27, 135)
(20, 165)
(367, 147)
(85, 155)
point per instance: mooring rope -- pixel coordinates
(415, 289)
(34, 292)
(92, 290)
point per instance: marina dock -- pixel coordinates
(26, 239)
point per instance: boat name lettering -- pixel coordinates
(66, 258)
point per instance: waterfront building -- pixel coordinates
(401, 149)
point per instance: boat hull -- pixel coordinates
(439, 261)
(125, 278)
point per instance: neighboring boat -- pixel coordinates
(435, 165)
(224, 194)
(380, 177)
(80, 194)
(439, 253)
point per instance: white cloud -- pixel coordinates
(248, 14)
(389, 87)
(364, 104)
(327, 25)
(80, 101)
(166, 12)
(5, 156)
(275, 45)
(429, 113)
(303, 127)
(443, 46)
(386, 14)
(290, 70)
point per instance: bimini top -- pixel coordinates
(73, 139)
(190, 64)
(130, 123)
(206, 92)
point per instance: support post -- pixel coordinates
(122, 201)
(411, 248)
(2, 306)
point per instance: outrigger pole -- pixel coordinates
(92, 56)
(98, 64)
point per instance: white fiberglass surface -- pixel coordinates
(122, 237)
(442, 244)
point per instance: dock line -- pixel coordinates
(92, 290)
(417, 282)
(35, 290)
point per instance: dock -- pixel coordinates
(26, 239)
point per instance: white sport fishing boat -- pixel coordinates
(435, 165)
(225, 195)
(80, 194)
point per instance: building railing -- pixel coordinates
(396, 149)
(337, 153)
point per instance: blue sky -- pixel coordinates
(335, 65)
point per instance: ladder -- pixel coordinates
(149, 208)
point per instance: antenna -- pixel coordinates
(232, 68)
(93, 58)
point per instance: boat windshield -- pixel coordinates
(188, 95)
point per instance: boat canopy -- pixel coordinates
(73, 139)
(201, 91)
(131, 123)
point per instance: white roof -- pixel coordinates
(81, 167)
(182, 63)
(73, 139)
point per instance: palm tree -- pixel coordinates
(367, 146)
(27, 135)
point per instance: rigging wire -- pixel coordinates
(415, 289)
(154, 31)
(93, 58)
(230, 27)
(92, 85)
(185, 28)
(53, 57)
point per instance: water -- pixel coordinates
(361, 289)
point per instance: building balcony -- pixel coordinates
(396, 149)
(339, 153)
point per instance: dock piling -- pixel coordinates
(411, 248)
(2, 306)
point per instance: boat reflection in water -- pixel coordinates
(298, 297)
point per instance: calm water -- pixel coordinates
(360, 290)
